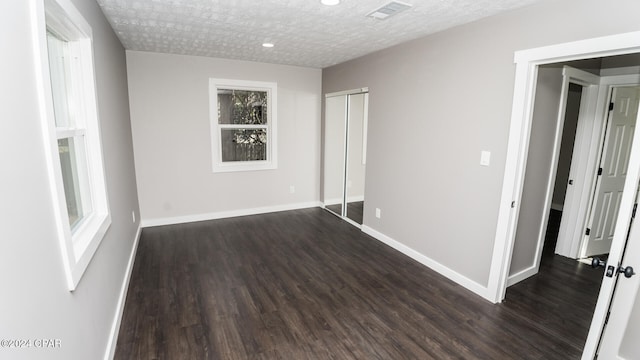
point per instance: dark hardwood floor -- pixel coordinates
(561, 298)
(306, 285)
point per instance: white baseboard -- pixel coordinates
(557, 207)
(226, 214)
(521, 275)
(430, 263)
(115, 328)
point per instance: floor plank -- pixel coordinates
(305, 285)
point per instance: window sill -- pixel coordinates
(244, 166)
(86, 240)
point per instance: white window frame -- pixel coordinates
(216, 129)
(78, 244)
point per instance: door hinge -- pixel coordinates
(587, 232)
(513, 204)
(599, 171)
(606, 319)
(610, 106)
(635, 208)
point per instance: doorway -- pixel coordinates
(528, 64)
(579, 131)
(577, 160)
(345, 143)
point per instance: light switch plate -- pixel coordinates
(485, 158)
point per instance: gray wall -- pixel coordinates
(171, 130)
(35, 302)
(435, 103)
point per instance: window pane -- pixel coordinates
(69, 156)
(60, 84)
(242, 107)
(244, 144)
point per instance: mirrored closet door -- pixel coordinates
(345, 144)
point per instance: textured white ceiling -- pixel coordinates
(305, 32)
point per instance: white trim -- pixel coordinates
(517, 149)
(611, 45)
(428, 262)
(226, 214)
(117, 319)
(523, 274)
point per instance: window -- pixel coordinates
(71, 129)
(243, 123)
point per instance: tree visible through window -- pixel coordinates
(243, 107)
(243, 128)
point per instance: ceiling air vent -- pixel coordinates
(389, 10)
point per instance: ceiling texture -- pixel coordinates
(304, 32)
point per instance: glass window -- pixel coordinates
(243, 134)
(71, 129)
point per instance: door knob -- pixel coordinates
(627, 271)
(596, 263)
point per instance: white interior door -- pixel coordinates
(613, 333)
(614, 163)
(579, 189)
(622, 331)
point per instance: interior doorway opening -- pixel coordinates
(582, 140)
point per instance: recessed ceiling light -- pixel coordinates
(330, 2)
(268, 45)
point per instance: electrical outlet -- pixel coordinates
(378, 213)
(133, 216)
(292, 189)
